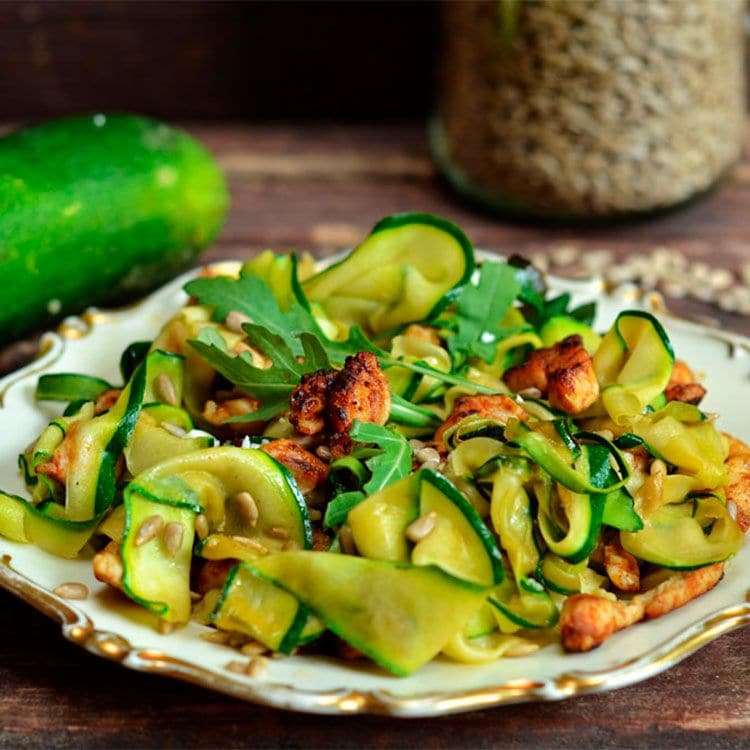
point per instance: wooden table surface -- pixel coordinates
(320, 189)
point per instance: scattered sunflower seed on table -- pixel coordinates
(670, 271)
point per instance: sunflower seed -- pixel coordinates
(278, 532)
(420, 529)
(251, 544)
(72, 590)
(149, 529)
(426, 455)
(173, 429)
(565, 255)
(253, 649)
(235, 320)
(247, 508)
(530, 393)
(201, 526)
(174, 533)
(238, 667)
(165, 389)
(215, 636)
(323, 452)
(257, 666)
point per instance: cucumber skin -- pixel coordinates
(98, 209)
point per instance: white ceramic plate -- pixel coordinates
(117, 630)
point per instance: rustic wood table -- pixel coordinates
(321, 189)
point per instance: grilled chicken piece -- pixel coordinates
(682, 385)
(215, 412)
(497, 406)
(737, 490)
(309, 400)
(359, 392)
(307, 469)
(58, 466)
(563, 372)
(587, 621)
(681, 374)
(331, 400)
(108, 565)
(213, 574)
(321, 540)
(622, 568)
(638, 458)
(688, 393)
(106, 400)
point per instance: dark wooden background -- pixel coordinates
(218, 60)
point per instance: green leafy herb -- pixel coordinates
(271, 385)
(480, 309)
(254, 298)
(391, 462)
(405, 413)
(347, 474)
(537, 309)
(63, 386)
(339, 507)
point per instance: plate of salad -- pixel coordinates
(417, 480)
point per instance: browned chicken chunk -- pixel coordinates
(359, 392)
(681, 374)
(321, 540)
(213, 574)
(58, 466)
(563, 372)
(309, 400)
(688, 393)
(587, 621)
(497, 406)
(108, 565)
(622, 568)
(106, 400)
(682, 385)
(215, 412)
(307, 469)
(737, 490)
(331, 400)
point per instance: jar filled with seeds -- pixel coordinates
(578, 109)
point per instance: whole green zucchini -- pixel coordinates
(96, 210)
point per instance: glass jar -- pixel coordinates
(578, 109)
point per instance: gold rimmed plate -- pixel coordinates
(107, 625)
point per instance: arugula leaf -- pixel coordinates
(537, 308)
(480, 309)
(391, 462)
(339, 507)
(412, 415)
(251, 296)
(271, 385)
